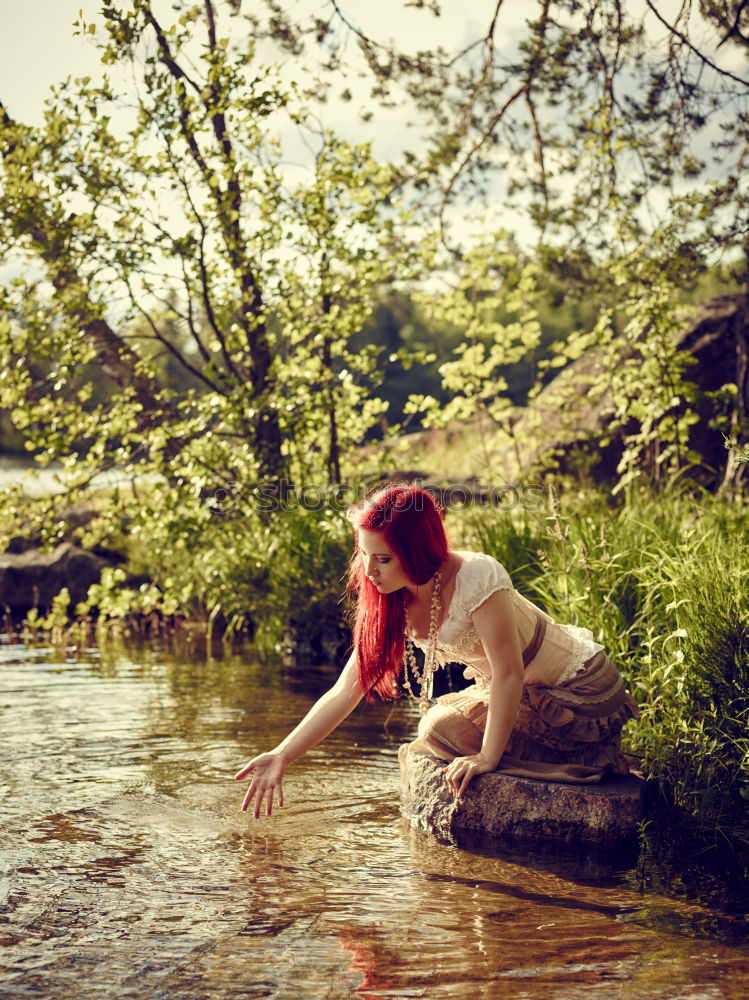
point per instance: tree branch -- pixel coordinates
(685, 41)
(488, 41)
(733, 31)
(523, 89)
(167, 344)
(179, 77)
(116, 359)
(205, 285)
(191, 315)
(540, 153)
(251, 306)
(211, 18)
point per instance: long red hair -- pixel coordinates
(411, 524)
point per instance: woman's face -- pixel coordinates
(381, 564)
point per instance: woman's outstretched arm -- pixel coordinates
(329, 711)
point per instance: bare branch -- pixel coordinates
(208, 306)
(685, 41)
(372, 43)
(488, 41)
(211, 18)
(251, 305)
(191, 315)
(540, 153)
(356, 31)
(165, 53)
(733, 31)
(167, 344)
(204, 282)
(486, 133)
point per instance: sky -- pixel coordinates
(38, 47)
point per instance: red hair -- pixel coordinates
(411, 524)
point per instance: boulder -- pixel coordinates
(564, 428)
(499, 808)
(33, 578)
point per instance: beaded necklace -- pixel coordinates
(424, 677)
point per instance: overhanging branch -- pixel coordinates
(693, 48)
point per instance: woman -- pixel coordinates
(545, 702)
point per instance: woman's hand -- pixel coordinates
(463, 770)
(267, 772)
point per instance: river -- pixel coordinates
(34, 480)
(129, 872)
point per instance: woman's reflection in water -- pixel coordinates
(370, 957)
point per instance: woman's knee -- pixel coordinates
(448, 732)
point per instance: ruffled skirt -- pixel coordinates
(569, 733)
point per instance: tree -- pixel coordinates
(608, 127)
(162, 220)
(166, 215)
(179, 207)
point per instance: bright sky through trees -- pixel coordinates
(38, 47)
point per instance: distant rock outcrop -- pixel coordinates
(501, 808)
(565, 427)
(33, 578)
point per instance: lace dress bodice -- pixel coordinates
(563, 652)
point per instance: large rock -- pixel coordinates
(564, 427)
(32, 578)
(500, 808)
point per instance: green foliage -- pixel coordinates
(636, 376)
(698, 677)
(186, 312)
(54, 624)
(267, 569)
(622, 376)
(215, 292)
(492, 280)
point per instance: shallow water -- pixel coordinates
(128, 871)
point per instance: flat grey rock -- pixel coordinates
(501, 808)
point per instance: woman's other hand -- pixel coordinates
(267, 772)
(463, 770)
